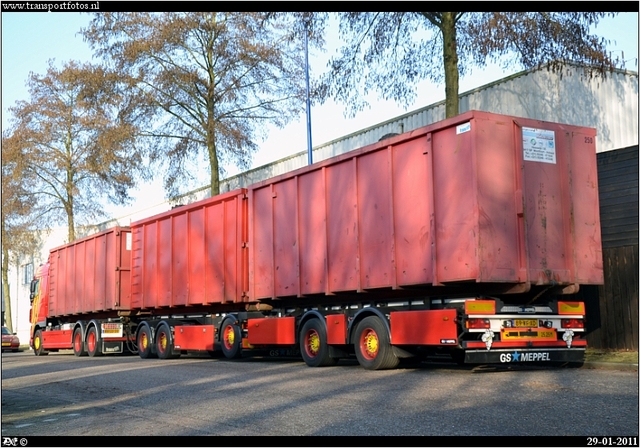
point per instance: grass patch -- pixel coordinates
(599, 355)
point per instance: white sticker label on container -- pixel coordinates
(128, 241)
(462, 128)
(539, 145)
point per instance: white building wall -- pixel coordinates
(608, 104)
(19, 286)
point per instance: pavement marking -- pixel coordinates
(24, 425)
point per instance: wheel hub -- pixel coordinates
(371, 343)
(163, 341)
(229, 337)
(144, 341)
(91, 341)
(313, 343)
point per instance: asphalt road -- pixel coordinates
(61, 394)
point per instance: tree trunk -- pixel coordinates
(211, 121)
(213, 158)
(70, 221)
(450, 53)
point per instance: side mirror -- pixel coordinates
(34, 289)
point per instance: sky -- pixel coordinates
(29, 40)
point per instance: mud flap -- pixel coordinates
(111, 347)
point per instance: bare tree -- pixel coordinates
(74, 139)
(216, 78)
(18, 236)
(389, 52)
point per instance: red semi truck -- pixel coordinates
(466, 237)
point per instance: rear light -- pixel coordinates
(478, 323)
(545, 324)
(572, 323)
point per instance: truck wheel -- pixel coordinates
(144, 343)
(372, 346)
(164, 342)
(78, 343)
(231, 339)
(313, 344)
(38, 347)
(93, 343)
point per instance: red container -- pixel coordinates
(91, 275)
(191, 255)
(479, 198)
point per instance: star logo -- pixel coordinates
(516, 357)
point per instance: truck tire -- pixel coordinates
(93, 343)
(78, 343)
(164, 342)
(38, 347)
(372, 345)
(144, 342)
(313, 344)
(231, 339)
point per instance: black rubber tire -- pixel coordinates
(145, 343)
(231, 339)
(164, 342)
(313, 344)
(38, 348)
(93, 343)
(78, 343)
(372, 345)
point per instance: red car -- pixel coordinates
(9, 341)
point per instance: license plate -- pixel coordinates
(528, 323)
(6, 344)
(515, 335)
